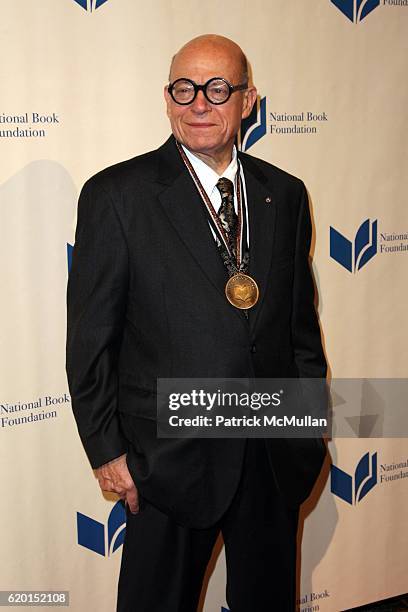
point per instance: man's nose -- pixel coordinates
(200, 103)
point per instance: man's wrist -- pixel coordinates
(115, 460)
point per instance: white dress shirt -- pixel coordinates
(209, 179)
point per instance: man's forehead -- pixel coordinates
(204, 57)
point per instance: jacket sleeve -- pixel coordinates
(96, 306)
(306, 338)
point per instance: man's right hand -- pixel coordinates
(115, 477)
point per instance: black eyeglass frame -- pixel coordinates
(203, 88)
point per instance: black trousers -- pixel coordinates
(163, 563)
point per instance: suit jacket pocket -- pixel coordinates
(136, 400)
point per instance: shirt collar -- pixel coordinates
(207, 176)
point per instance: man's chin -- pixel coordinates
(201, 144)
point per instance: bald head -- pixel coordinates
(214, 45)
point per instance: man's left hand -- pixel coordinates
(115, 477)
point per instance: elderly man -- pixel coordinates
(192, 261)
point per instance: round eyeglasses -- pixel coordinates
(216, 90)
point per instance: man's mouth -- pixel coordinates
(201, 125)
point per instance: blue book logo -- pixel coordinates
(70, 248)
(253, 128)
(100, 538)
(353, 490)
(353, 256)
(356, 10)
(90, 5)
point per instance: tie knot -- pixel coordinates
(225, 187)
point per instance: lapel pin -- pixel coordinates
(268, 200)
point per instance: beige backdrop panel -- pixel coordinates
(99, 76)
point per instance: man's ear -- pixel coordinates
(167, 99)
(250, 96)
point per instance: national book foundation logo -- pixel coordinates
(353, 255)
(100, 538)
(368, 241)
(356, 10)
(280, 122)
(70, 249)
(353, 488)
(253, 128)
(90, 5)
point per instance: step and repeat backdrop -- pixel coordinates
(81, 88)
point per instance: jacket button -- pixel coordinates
(253, 348)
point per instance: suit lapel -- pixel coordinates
(183, 206)
(262, 217)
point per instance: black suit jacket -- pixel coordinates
(146, 300)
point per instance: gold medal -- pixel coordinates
(242, 291)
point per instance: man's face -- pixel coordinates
(203, 127)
